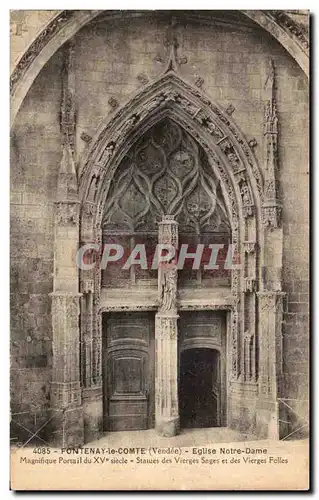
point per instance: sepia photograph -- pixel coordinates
(159, 250)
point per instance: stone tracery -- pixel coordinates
(168, 177)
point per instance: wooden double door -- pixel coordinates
(129, 370)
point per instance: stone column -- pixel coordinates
(270, 362)
(66, 401)
(166, 375)
(67, 413)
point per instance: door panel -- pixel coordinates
(199, 395)
(202, 371)
(128, 371)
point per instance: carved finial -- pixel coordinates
(271, 208)
(67, 112)
(67, 187)
(271, 118)
(270, 80)
(172, 64)
(174, 61)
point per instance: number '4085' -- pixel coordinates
(42, 451)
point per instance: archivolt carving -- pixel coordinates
(170, 90)
(67, 23)
(294, 28)
(28, 57)
(195, 123)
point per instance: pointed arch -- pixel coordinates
(170, 96)
(229, 157)
(67, 23)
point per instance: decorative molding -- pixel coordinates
(234, 340)
(87, 286)
(249, 247)
(161, 99)
(230, 109)
(248, 356)
(271, 214)
(158, 58)
(249, 285)
(252, 143)
(182, 60)
(270, 299)
(142, 78)
(38, 44)
(292, 27)
(129, 307)
(86, 137)
(67, 213)
(209, 306)
(199, 81)
(65, 385)
(113, 102)
(88, 209)
(166, 326)
(294, 30)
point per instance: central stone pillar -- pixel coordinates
(166, 376)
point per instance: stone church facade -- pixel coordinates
(159, 127)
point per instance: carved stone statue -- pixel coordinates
(93, 188)
(245, 194)
(168, 288)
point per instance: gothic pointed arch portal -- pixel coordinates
(217, 162)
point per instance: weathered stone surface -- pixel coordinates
(233, 74)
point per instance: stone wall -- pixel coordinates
(35, 156)
(112, 61)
